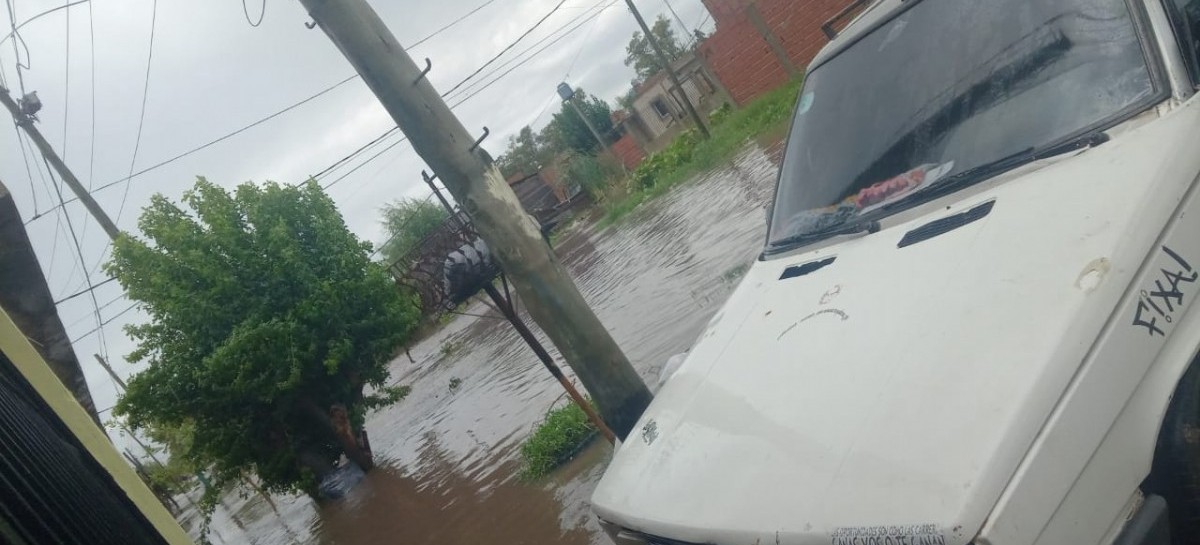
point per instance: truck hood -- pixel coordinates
(867, 389)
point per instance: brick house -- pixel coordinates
(758, 45)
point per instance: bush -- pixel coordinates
(592, 174)
(652, 170)
(564, 431)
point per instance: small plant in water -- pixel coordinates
(557, 439)
(450, 348)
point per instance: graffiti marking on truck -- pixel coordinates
(914, 534)
(1161, 301)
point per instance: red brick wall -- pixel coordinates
(741, 58)
(628, 151)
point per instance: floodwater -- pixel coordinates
(448, 454)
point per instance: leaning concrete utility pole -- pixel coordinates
(666, 65)
(25, 121)
(477, 184)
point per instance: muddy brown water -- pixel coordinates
(448, 457)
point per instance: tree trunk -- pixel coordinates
(336, 421)
(340, 420)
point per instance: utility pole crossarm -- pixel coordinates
(26, 122)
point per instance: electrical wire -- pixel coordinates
(263, 13)
(585, 15)
(82, 292)
(28, 171)
(362, 164)
(352, 154)
(92, 88)
(66, 83)
(218, 140)
(450, 24)
(106, 322)
(12, 19)
(137, 142)
(40, 15)
(585, 19)
(79, 254)
(508, 47)
(523, 62)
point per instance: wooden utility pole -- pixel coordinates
(25, 121)
(111, 373)
(666, 65)
(471, 176)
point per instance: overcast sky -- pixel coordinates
(212, 73)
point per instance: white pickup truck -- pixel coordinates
(974, 319)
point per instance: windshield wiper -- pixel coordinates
(849, 228)
(1000, 166)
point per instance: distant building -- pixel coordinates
(757, 46)
(659, 113)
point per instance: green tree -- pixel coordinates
(524, 155)
(269, 336)
(640, 55)
(567, 131)
(406, 222)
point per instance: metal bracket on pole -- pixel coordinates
(428, 67)
(475, 146)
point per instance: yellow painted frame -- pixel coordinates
(31, 365)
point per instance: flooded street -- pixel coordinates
(448, 454)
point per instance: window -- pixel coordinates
(934, 93)
(660, 108)
(1186, 16)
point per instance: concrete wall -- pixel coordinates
(742, 58)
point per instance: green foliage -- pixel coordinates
(524, 155)
(564, 431)
(450, 348)
(167, 479)
(688, 155)
(720, 114)
(407, 222)
(592, 174)
(265, 311)
(568, 132)
(639, 54)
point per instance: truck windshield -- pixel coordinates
(943, 90)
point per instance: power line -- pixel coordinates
(579, 51)
(106, 322)
(79, 254)
(166, 162)
(526, 60)
(38, 16)
(508, 47)
(82, 292)
(137, 142)
(585, 19)
(450, 24)
(12, 19)
(351, 155)
(91, 88)
(66, 83)
(360, 165)
(585, 15)
(252, 125)
(28, 171)
(263, 13)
